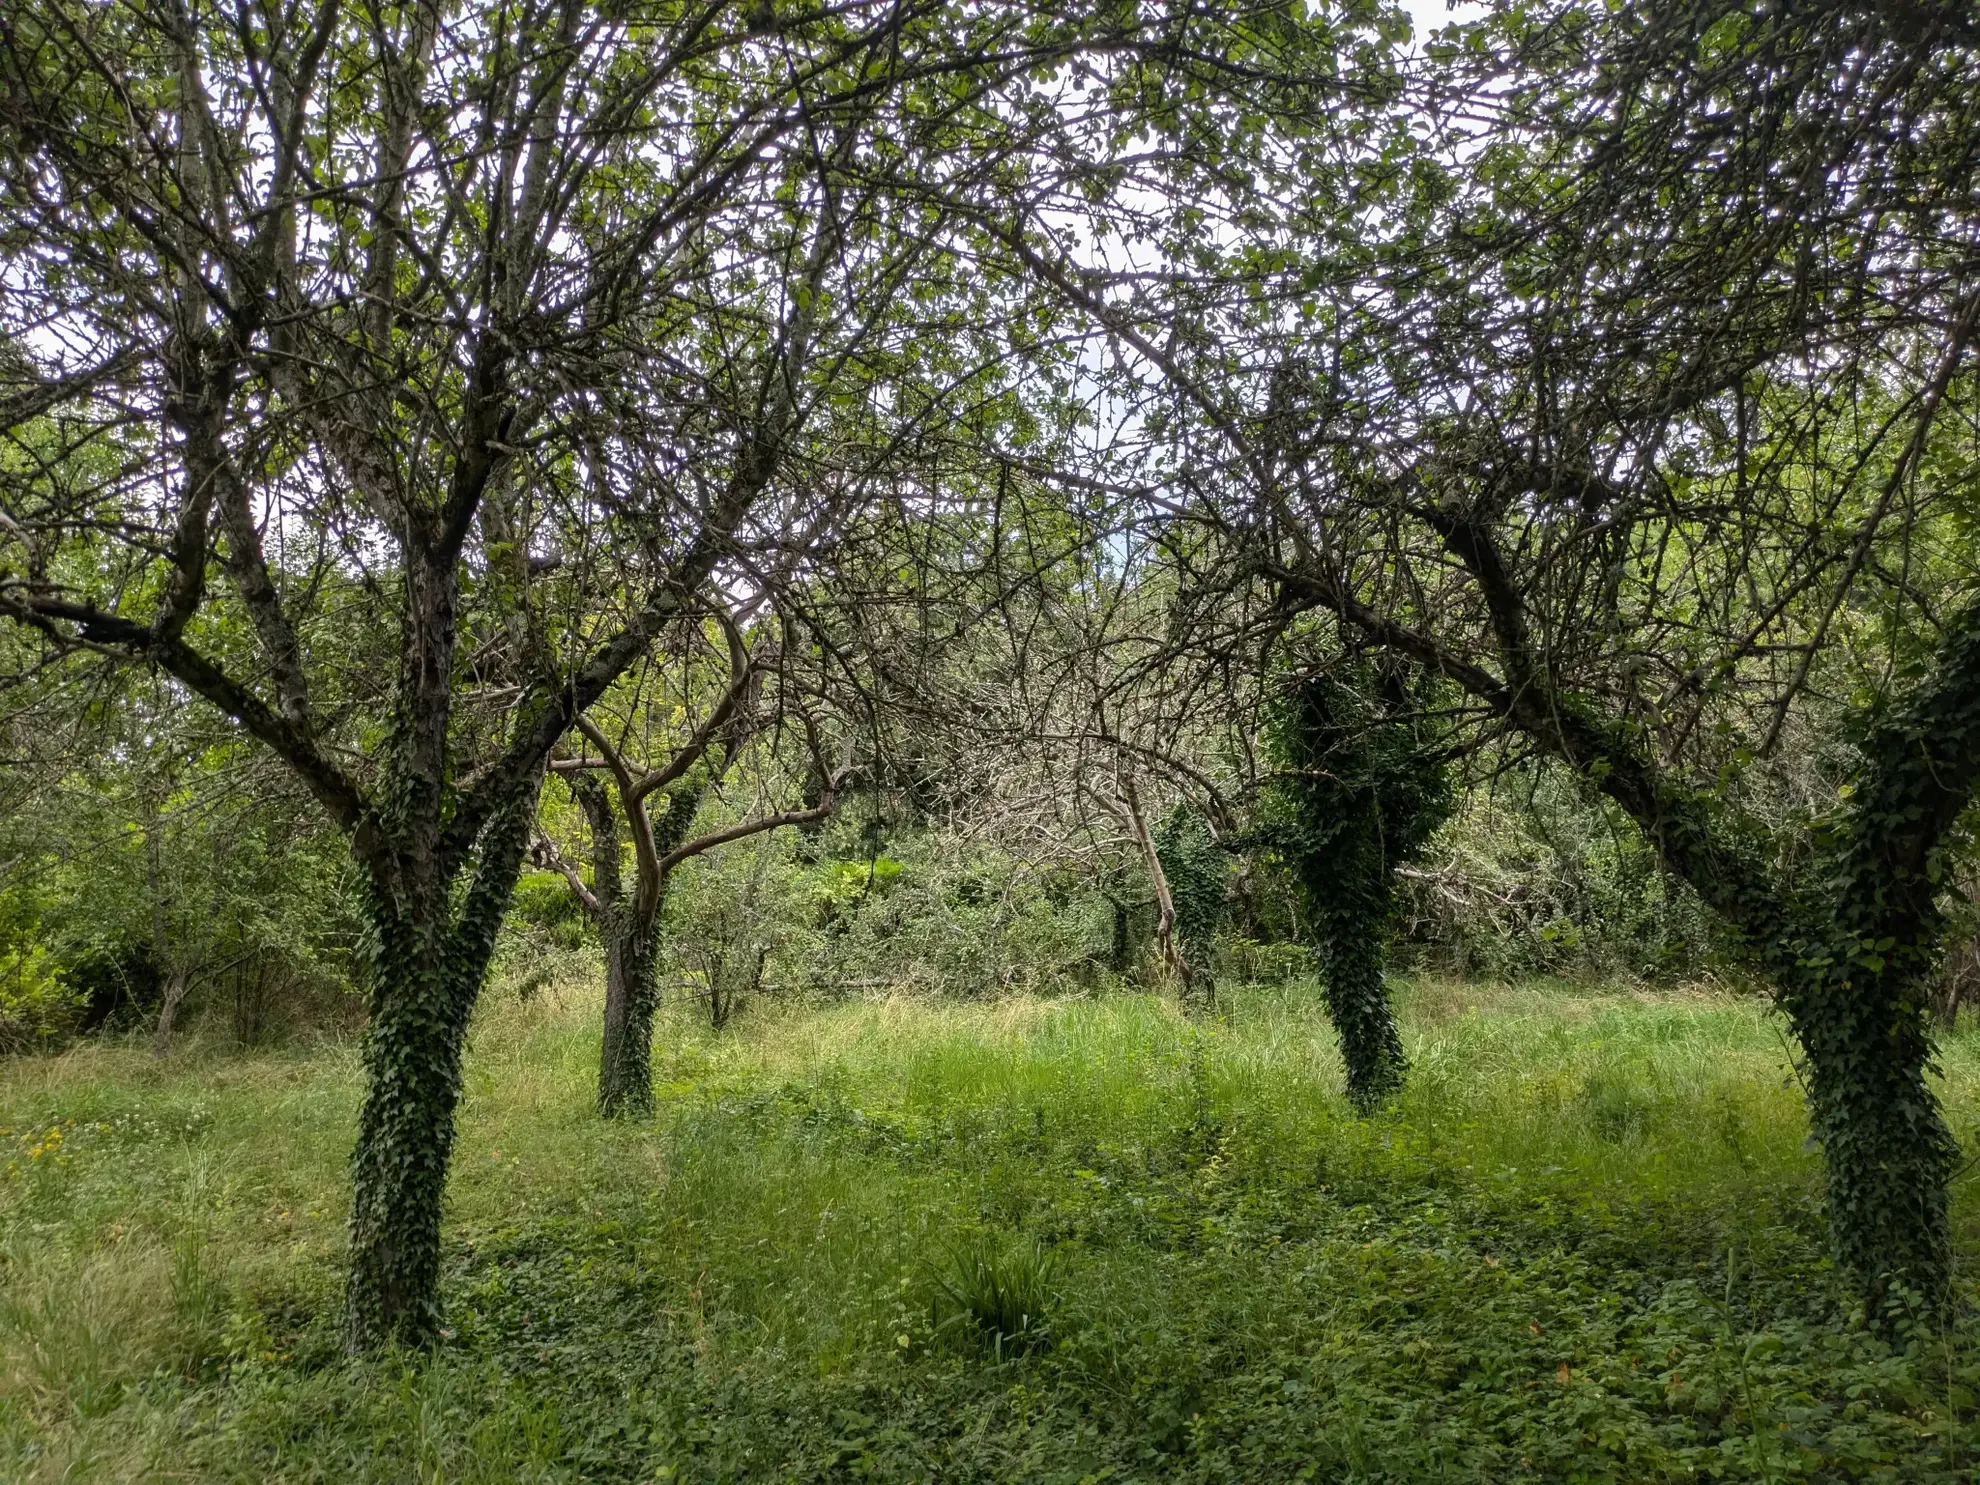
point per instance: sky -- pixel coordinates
(1433, 15)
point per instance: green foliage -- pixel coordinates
(1532, 876)
(998, 1289)
(1359, 792)
(37, 1007)
(171, 856)
(934, 914)
(840, 888)
(545, 911)
(1198, 874)
(1360, 787)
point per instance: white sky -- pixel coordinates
(1434, 15)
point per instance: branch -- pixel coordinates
(562, 702)
(547, 854)
(742, 673)
(637, 818)
(1675, 816)
(703, 843)
(130, 640)
(248, 566)
(43, 395)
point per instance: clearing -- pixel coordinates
(1040, 1240)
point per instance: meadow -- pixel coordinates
(1060, 1240)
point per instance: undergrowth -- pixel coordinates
(1032, 1240)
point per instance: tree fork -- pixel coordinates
(1849, 956)
(426, 973)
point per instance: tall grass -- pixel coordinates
(1589, 1231)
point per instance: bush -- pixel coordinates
(546, 910)
(995, 1292)
(38, 1009)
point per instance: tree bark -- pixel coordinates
(625, 1066)
(177, 982)
(629, 937)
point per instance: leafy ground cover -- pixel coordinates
(1086, 1240)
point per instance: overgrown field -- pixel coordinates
(1031, 1240)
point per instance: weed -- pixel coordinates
(999, 1290)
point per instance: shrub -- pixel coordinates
(38, 1009)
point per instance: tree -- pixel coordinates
(1645, 392)
(434, 311)
(1358, 792)
(627, 921)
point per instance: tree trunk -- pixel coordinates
(1852, 963)
(629, 928)
(625, 1067)
(625, 1058)
(427, 964)
(177, 981)
(412, 1056)
(1884, 1138)
(1166, 940)
(1358, 1005)
(1120, 950)
(1851, 954)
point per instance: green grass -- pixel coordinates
(1032, 1240)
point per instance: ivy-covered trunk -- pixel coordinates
(625, 1068)
(1360, 789)
(1358, 1005)
(427, 961)
(412, 1057)
(1851, 952)
(1851, 958)
(1884, 1139)
(629, 929)
(1859, 989)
